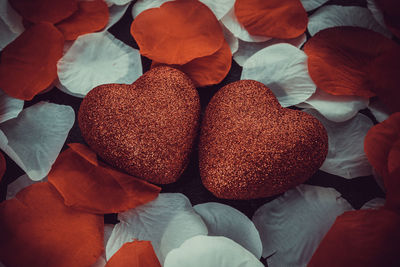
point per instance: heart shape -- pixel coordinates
(251, 147)
(147, 128)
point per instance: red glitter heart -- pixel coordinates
(251, 147)
(147, 128)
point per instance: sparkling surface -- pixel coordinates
(147, 128)
(251, 147)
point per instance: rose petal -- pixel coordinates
(44, 10)
(232, 24)
(38, 230)
(9, 107)
(379, 141)
(361, 238)
(337, 108)
(35, 138)
(292, 225)
(375, 204)
(223, 220)
(19, 184)
(376, 12)
(2, 165)
(101, 261)
(167, 222)
(346, 157)
(116, 12)
(10, 24)
(134, 254)
(312, 4)
(391, 15)
(231, 39)
(101, 189)
(164, 34)
(247, 49)
(118, 2)
(95, 59)
(334, 15)
(200, 251)
(142, 5)
(338, 59)
(91, 16)
(207, 70)
(394, 157)
(379, 110)
(283, 69)
(220, 8)
(28, 64)
(274, 18)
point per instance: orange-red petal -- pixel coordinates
(391, 14)
(29, 64)
(283, 19)
(207, 70)
(2, 165)
(177, 32)
(91, 186)
(91, 16)
(135, 254)
(51, 11)
(339, 58)
(37, 229)
(361, 238)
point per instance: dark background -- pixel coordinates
(356, 191)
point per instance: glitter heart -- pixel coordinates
(251, 147)
(146, 129)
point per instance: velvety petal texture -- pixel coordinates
(38, 230)
(208, 251)
(164, 34)
(361, 238)
(292, 225)
(274, 18)
(167, 222)
(95, 59)
(28, 64)
(223, 220)
(35, 138)
(334, 15)
(346, 157)
(283, 69)
(134, 254)
(10, 107)
(101, 189)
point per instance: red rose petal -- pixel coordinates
(2, 165)
(135, 254)
(338, 59)
(391, 14)
(91, 16)
(95, 187)
(394, 157)
(361, 238)
(37, 229)
(51, 11)
(29, 64)
(177, 32)
(207, 70)
(283, 19)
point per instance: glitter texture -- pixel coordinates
(251, 147)
(146, 129)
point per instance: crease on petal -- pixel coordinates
(116, 12)
(211, 251)
(274, 18)
(292, 225)
(346, 157)
(376, 12)
(232, 24)
(35, 138)
(134, 254)
(283, 69)
(379, 110)
(334, 15)
(10, 107)
(95, 59)
(101, 189)
(164, 35)
(312, 4)
(231, 39)
(28, 64)
(166, 221)
(91, 16)
(219, 8)
(337, 108)
(247, 49)
(223, 220)
(39, 230)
